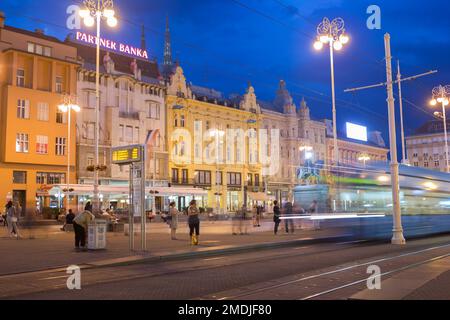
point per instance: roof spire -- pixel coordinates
(143, 44)
(167, 45)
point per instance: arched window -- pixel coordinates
(182, 121)
(175, 121)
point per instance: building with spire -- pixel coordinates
(168, 67)
(143, 42)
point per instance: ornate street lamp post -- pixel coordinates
(68, 106)
(332, 33)
(441, 94)
(98, 9)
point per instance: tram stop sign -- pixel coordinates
(127, 154)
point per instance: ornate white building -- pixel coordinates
(426, 148)
(302, 140)
(131, 107)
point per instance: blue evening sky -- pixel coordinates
(224, 44)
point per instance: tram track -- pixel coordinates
(358, 268)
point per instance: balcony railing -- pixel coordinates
(190, 182)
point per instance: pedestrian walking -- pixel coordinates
(314, 208)
(69, 219)
(259, 210)
(276, 216)
(173, 214)
(80, 226)
(288, 222)
(243, 220)
(12, 217)
(194, 222)
(4, 216)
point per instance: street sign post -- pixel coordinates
(134, 156)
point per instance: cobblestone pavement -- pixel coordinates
(314, 269)
(436, 289)
(48, 247)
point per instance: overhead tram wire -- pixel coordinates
(258, 12)
(293, 83)
(296, 13)
(245, 78)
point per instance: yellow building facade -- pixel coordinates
(35, 72)
(201, 122)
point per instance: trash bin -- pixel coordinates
(97, 235)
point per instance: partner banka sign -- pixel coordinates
(112, 45)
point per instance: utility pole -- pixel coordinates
(398, 81)
(397, 237)
(400, 102)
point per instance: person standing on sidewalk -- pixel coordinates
(288, 222)
(276, 216)
(258, 215)
(173, 214)
(12, 217)
(194, 222)
(69, 219)
(80, 226)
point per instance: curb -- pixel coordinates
(137, 259)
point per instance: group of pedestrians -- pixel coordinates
(193, 221)
(289, 210)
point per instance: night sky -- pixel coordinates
(224, 44)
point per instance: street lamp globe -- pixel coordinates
(324, 39)
(318, 45)
(337, 45)
(433, 102)
(62, 107)
(75, 107)
(344, 39)
(89, 21)
(112, 22)
(108, 13)
(84, 13)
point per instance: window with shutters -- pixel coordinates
(23, 109)
(22, 142)
(41, 144)
(42, 111)
(60, 146)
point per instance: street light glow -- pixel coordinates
(318, 45)
(62, 107)
(89, 21)
(433, 102)
(337, 45)
(344, 39)
(324, 39)
(108, 13)
(112, 22)
(84, 13)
